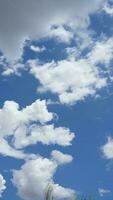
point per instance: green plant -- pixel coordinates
(49, 192)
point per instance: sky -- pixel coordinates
(56, 102)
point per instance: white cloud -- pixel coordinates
(22, 127)
(108, 9)
(7, 150)
(107, 149)
(102, 52)
(72, 80)
(76, 77)
(8, 71)
(34, 176)
(37, 111)
(73, 52)
(37, 48)
(12, 68)
(2, 185)
(60, 157)
(61, 34)
(27, 127)
(20, 20)
(46, 134)
(103, 192)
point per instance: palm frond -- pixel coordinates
(49, 192)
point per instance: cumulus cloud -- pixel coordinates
(27, 126)
(47, 134)
(76, 77)
(60, 157)
(61, 34)
(72, 80)
(102, 52)
(37, 111)
(103, 192)
(22, 127)
(20, 20)
(107, 149)
(7, 150)
(34, 176)
(2, 185)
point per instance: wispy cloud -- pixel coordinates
(103, 192)
(107, 149)
(2, 185)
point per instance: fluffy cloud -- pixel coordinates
(60, 157)
(34, 176)
(72, 80)
(28, 126)
(78, 76)
(33, 113)
(20, 20)
(2, 185)
(22, 127)
(107, 149)
(7, 150)
(61, 34)
(46, 134)
(36, 111)
(102, 52)
(103, 192)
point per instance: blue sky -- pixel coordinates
(56, 105)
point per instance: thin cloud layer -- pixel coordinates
(108, 9)
(20, 20)
(103, 192)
